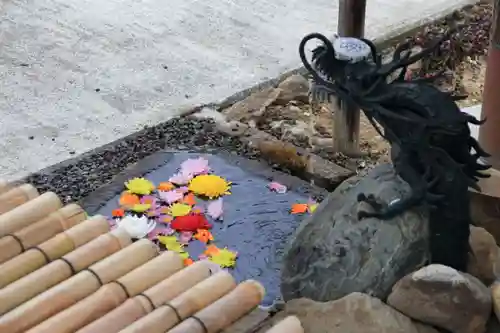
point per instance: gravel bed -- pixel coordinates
(74, 179)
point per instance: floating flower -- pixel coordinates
(119, 212)
(188, 262)
(189, 199)
(299, 208)
(197, 210)
(190, 222)
(171, 243)
(180, 178)
(195, 166)
(182, 189)
(185, 237)
(136, 227)
(128, 200)
(183, 255)
(210, 186)
(170, 196)
(178, 209)
(224, 258)
(140, 208)
(149, 199)
(165, 186)
(165, 219)
(214, 209)
(312, 207)
(203, 235)
(160, 231)
(140, 186)
(211, 250)
(277, 187)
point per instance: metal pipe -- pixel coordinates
(351, 23)
(489, 133)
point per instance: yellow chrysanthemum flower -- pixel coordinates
(210, 186)
(140, 208)
(178, 209)
(140, 186)
(224, 258)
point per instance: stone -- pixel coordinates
(253, 107)
(232, 128)
(495, 295)
(332, 254)
(354, 313)
(485, 213)
(323, 173)
(485, 261)
(493, 325)
(293, 88)
(443, 297)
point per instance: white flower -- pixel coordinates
(136, 227)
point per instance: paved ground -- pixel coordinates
(76, 74)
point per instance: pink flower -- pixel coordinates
(185, 237)
(195, 166)
(181, 178)
(171, 196)
(277, 187)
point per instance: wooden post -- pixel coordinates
(489, 133)
(351, 24)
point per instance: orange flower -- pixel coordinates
(129, 200)
(189, 199)
(299, 208)
(166, 186)
(188, 262)
(166, 219)
(119, 212)
(203, 235)
(211, 250)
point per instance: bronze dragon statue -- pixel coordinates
(432, 147)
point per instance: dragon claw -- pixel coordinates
(378, 209)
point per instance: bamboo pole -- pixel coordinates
(57, 271)
(111, 295)
(54, 248)
(225, 311)
(16, 197)
(489, 133)
(188, 303)
(139, 306)
(76, 288)
(347, 117)
(290, 324)
(28, 213)
(38, 232)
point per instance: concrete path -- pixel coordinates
(76, 74)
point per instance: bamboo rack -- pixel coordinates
(62, 272)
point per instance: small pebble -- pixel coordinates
(74, 182)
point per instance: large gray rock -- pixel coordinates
(333, 254)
